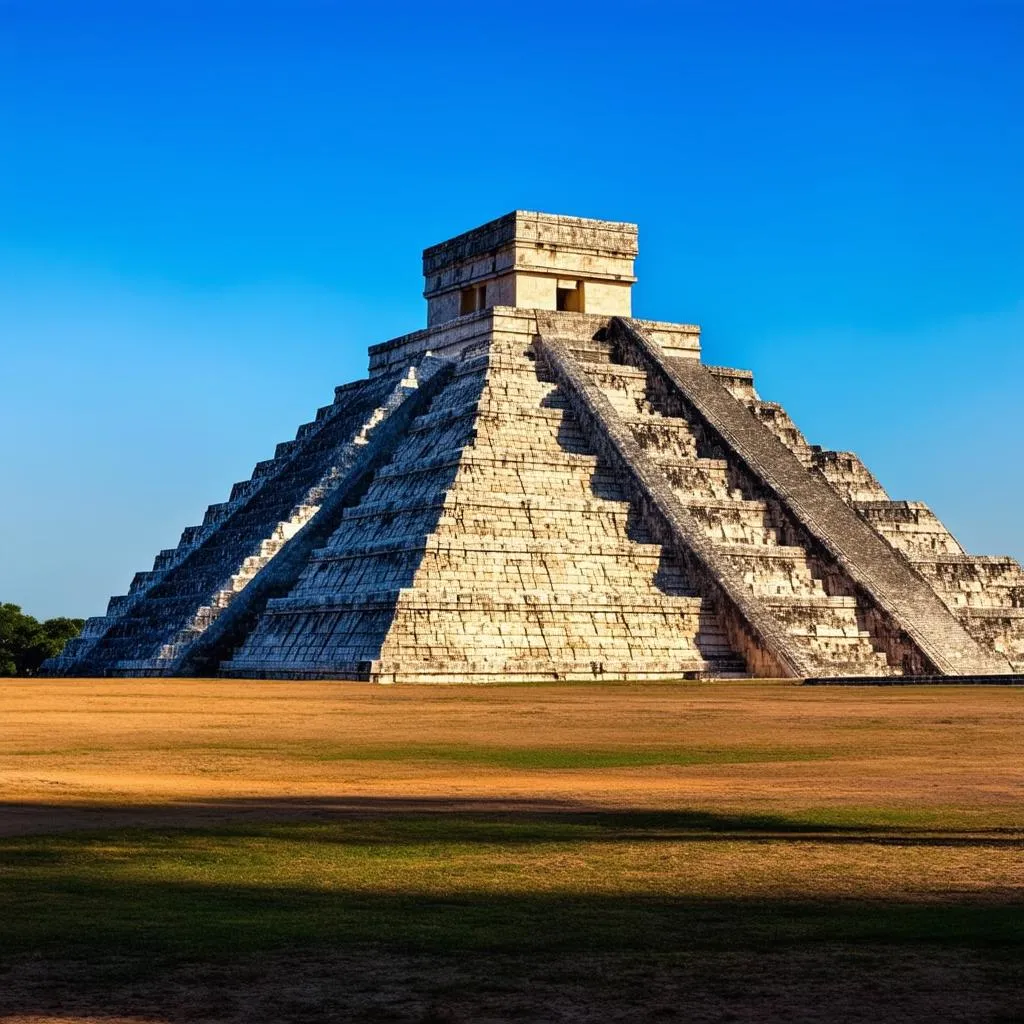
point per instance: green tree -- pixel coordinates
(25, 643)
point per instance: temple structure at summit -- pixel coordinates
(539, 486)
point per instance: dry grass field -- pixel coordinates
(285, 852)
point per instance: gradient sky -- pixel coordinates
(209, 210)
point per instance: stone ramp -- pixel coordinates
(986, 593)
(772, 559)
(152, 632)
(751, 630)
(77, 656)
(275, 579)
(872, 564)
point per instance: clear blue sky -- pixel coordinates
(209, 210)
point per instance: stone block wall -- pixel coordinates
(521, 260)
(493, 545)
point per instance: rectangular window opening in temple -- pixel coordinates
(473, 299)
(569, 297)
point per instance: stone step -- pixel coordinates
(953, 559)
(539, 461)
(739, 383)
(910, 527)
(626, 394)
(521, 671)
(492, 546)
(663, 435)
(473, 480)
(1000, 628)
(738, 506)
(847, 475)
(733, 521)
(611, 374)
(773, 570)
(488, 411)
(505, 515)
(593, 352)
(629, 397)
(832, 648)
(577, 599)
(779, 552)
(485, 569)
(696, 478)
(498, 500)
(974, 581)
(1010, 615)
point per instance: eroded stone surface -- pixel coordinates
(554, 506)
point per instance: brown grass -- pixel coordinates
(734, 803)
(87, 752)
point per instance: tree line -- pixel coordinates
(25, 642)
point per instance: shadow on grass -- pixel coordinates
(350, 899)
(80, 918)
(428, 875)
(509, 820)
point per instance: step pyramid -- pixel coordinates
(540, 487)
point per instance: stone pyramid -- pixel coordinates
(539, 487)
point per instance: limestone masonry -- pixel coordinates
(538, 486)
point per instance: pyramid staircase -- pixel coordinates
(817, 587)
(984, 592)
(168, 612)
